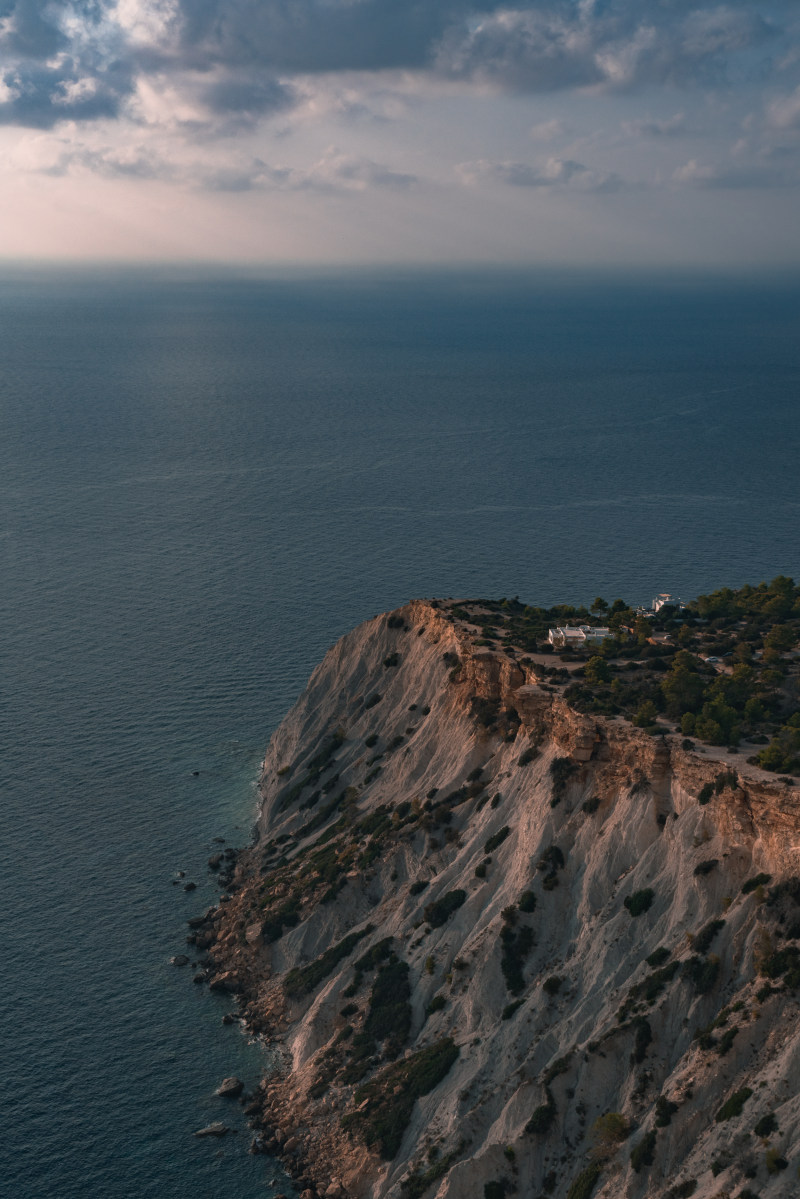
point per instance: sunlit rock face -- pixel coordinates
(501, 942)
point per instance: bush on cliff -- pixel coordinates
(441, 909)
(388, 1099)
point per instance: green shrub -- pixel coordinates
(496, 839)
(392, 660)
(417, 1184)
(388, 1099)
(511, 1008)
(726, 1041)
(643, 1037)
(303, 979)
(657, 957)
(758, 880)
(640, 901)
(766, 1125)
(527, 902)
(702, 972)
(441, 909)
(497, 799)
(702, 941)
(585, 1183)
(542, 1119)
(527, 756)
(552, 985)
(609, 1131)
(665, 1110)
(590, 805)
(436, 1004)
(495, 1189)
(683, 1190)
(776, 964)
(705, 794)
(774, 1162)
(419, 886)
(561, 771)
(706, 867)
(480, 870)
(516, 946)
(643, 1154)
(733, 1106)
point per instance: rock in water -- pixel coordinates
(180, 959)
(230, 1088)
(217, 1129)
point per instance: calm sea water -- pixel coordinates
(205, 481)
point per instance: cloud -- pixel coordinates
(716, 177)
(251, 51)
(784, 111)
(673, 126)
(554, 172)
(618, 45)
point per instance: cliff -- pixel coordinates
(501, 942)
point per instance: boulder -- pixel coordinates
(180, 959)
(215, 861)
(227, 981)
(190, 886)
(230, 1088)
(217, 1129)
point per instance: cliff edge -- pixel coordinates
(504, 946)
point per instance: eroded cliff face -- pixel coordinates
(445, 922)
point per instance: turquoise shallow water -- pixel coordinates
(204, 482)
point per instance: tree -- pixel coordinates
(646, 715)
(682, 687)
(597, 671)
(608, 1132)
(599, 605)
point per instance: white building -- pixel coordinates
(576, 636)
(665, 598)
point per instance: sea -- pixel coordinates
(208, 476)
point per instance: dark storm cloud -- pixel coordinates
(39, 96)
(318, 35)
(245, 45)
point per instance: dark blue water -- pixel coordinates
(203, 483)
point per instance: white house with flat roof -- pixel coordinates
(571, 635)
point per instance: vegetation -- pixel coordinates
(441, 909)
(723, 668)
(643, 1154)
(417, 1184)
(766, 1125)
(733, 1106)
(496, 839)
(304, 979)
(542, 1118)
(608, 1132)
(561, 771)
(527, 902)
(585, 1183)
(658, 957)
(516, 946)
(387, 1101)
(640, 901)
(665, 1110)
(701, 943)
(752, 884)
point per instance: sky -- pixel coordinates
(552, 132)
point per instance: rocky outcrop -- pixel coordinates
(475, 922)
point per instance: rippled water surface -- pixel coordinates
(205, 481)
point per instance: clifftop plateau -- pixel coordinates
(504, 945)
